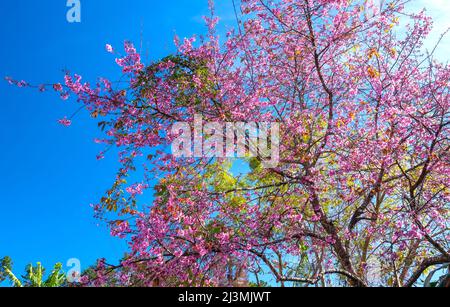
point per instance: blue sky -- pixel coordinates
(50, 174)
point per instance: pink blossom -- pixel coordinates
(109, 48)
(137, 189)
(57, 87)
(9, 80)
(65, 122)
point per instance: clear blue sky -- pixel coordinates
(50, 174)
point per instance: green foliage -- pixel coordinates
(262, 284)
(182, 72)
(34, 277)
(5, 266)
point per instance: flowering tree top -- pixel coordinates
(361, 193)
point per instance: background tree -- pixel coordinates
(34, 277)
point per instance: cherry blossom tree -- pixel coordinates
(360, 196)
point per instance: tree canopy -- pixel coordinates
(360, 196)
